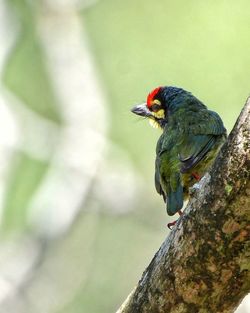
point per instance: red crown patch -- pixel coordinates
(151, 96)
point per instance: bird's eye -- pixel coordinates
(155, 107)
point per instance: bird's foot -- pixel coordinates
(196, 176)
(171, 224)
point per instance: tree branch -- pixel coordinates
(204, 263)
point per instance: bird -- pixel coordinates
(191, 138)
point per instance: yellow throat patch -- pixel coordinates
(159, 114)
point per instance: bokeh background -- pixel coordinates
(80, 218)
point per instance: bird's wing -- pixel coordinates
(167, 174)
(158, 186)
(199, 138)
(203, 122)
(194, 149)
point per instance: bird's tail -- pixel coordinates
(175, 200)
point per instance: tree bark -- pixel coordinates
(204, 263)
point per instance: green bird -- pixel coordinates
(191, 137)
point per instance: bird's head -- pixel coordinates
(161, 102)
(154, 109)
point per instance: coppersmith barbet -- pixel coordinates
(191, 138)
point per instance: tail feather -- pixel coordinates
(175, 200)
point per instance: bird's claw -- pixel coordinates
(171, 224)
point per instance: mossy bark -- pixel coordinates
(204, 264)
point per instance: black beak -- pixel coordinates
(142, 110)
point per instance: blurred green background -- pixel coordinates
(77, 172)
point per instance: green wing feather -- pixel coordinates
(194, 149)
(167, 173)
(203, 122)
(199, 138)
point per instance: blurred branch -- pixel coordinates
(203, 265)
